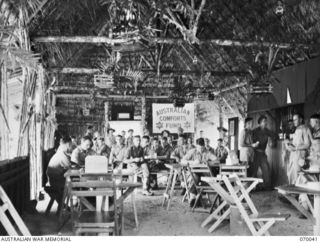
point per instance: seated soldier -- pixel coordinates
(198, 156)
(136, 163)
(100, 147)
(178, 153)
(74, 144)
(221, 152)
(155, 147)
(58, 165)
(163, 151)
(145, 144)
(181, 149)
(207, 145)
(80, 153)
(118, 153)
(190, 144)
(166, 148)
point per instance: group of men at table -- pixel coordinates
(133, 154)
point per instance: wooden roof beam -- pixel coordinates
(169, 41)
(149, 71)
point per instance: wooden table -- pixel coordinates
(316, 173)
(175, 170)
(101, 202)
(288, 190)
(220, 210)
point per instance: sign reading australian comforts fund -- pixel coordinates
(168, 117)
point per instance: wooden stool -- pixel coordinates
(175, 170)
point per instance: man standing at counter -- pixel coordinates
(298, 148)
(262, 135)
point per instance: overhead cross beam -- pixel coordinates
(149, 71)
(169, 41)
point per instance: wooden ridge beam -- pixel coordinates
(77, 95)
(169, 41)
(70, 70)
(84, 39)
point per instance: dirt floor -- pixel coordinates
(179, 220)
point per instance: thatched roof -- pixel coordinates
(209, 45)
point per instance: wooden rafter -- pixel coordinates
(169, 41)
(151, 71)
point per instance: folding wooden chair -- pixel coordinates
(223, 211)
(201, 189)
(99, 222)
(13, 224)
(258, 224)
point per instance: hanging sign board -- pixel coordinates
(168, 117)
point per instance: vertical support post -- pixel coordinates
(4, 132)
(106, 117)
(144, 129)
(220, 119)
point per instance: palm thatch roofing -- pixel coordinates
(199, 45)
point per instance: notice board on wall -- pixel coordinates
(168, 117)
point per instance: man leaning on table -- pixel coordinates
(58, 165)
(197, 156)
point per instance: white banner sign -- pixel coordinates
(168, 117)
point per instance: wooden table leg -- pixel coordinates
(316, 211)
(297, 205)
(166, 193)
(214, 215)
(173, 184)
(135, 209)
(187, 194)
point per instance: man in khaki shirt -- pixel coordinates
(58, 165)
(118, 153)
(79, 155)
(198, 156)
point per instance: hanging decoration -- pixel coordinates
(124, 17)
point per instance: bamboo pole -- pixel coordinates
(144, 128)
(169, 41)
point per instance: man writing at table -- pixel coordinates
(135, 161)
(79, 155)
(198, 156)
